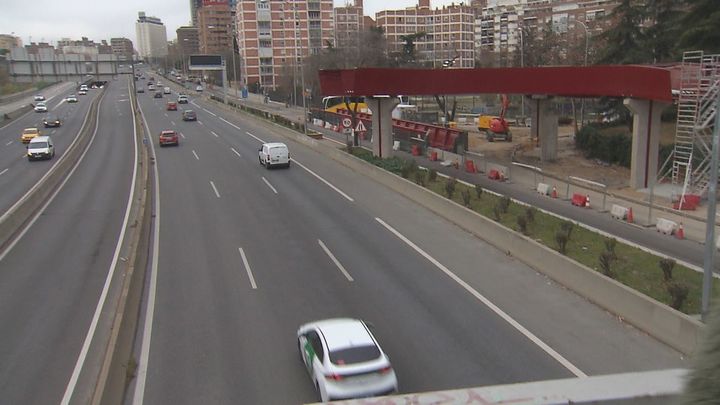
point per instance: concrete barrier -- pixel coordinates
(8, 117)
(666, 226)
(666, 324)
(543, 189)
(619, 212)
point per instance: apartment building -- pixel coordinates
(151, 36)
(349, 22)
(274, 36)
(122, 48)
(449, 32)
(215, 27)
(188, 40)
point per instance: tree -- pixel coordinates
(625, 41)
(408, 57)
(702, 386)
(700, 26)
(664, 29)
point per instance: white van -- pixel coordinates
(40, 147)
(274, 154)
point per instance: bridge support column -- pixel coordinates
(645, 140)
(382, 138)
(544, 128)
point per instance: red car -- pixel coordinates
(169, 137)
(171, 106)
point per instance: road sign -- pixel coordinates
(360, 127)
(346, 122)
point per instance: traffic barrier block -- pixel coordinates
(666, 226)
(554, 193)
(579, 200)
(619, 212)
(470, 166)
(433, 156)
(689, 202)
(543, 188)
(494, 174)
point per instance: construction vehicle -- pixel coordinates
(496, 127)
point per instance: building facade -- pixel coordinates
(9, 41)
(151, 37)
(123, 48)
(448, 32)
(188, 41)
(215, 27)
(349, 23)
(273, 36)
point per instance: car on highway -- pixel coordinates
(182, 99)
(199, 89)
(274, 154)
(40, 106)
(39, 97)
(51, 120)
(166, 90)
(82, 92)
(40, 147)
(189, 115)
(28, 134)
(169, 137)
(151, 87)
(171, 106)
(71, 98)
(83, 87)
(158, 94)
(344, 359)
(140, 90)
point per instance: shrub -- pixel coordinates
(567, 227)
(530, 214)
(666, 265)
(678, 293)
(420, 178)
(408, 167)
(561, 239)
(505, 204)
(522, 224)
(450, 186)
(478, 191)
(432, 175)
(610, 244)
(349, 147)
(497, 212)
(606, 260)
(466, 197)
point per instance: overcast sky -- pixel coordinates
(51, 20)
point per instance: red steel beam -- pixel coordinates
(642, 82)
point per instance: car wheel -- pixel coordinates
(260, 160)
(267, 165)
(288, 165)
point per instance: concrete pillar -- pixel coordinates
(645, 140)
(382, 137)
(544, 128)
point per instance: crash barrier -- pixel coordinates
(688, 202)
(17, 216)
(672, 327)
(12, 115)
(666, 226)
(543, 189)
(619, 212)
(579, 200)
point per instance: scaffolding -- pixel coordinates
(700, 85)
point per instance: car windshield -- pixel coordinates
(354, 355)
(167, 134)
(30, 131)
(38, 145)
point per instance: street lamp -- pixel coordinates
(522, 65)
(587, 42)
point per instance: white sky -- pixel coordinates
(51, 20)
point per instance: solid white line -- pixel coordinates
(166, 115)
(256, 138)
(336, 261)
(247, 268)
(141, 378)
(200, 122)
(103, 296)
(236, 152)
(213, 132)
(215, 188)
(269, 185)
(182, 135)
(210, 112)
(547, 349)
(57, 105)
(324, 181)
(172, 122)
(332, 140)
(3, 172)
(196, 156)
(9, 143)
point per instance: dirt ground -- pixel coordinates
(569, 162)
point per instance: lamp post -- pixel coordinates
(522, 65)
(587, 43)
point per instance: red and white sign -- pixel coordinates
(346, 122)
(360, 127)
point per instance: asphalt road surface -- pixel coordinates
(246, 255)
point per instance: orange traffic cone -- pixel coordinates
(680, 232)
(630, 218)
(587, 200)
(554, 193)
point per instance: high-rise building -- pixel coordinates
(151, 37)
(448, 32)
(123, 48)
(194, 7)
(215, 27)
(275, 36)
(349, 23)
(9, 41)
(188, 41)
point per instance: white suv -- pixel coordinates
(274, 154)
(40, 147)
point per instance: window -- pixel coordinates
(353, 355)
(316, 344)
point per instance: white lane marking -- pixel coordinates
(166, 115)
(138, 395)
(3, 172)
(182, 135)
(53, 132)
(332, 140)
(258, 139)
(269, 185)
(215, 189)
(324, 181)
(58, 104)
(547, 349)
(200, 122)
(236, 152)
(336, 261)
(213, 132)
(103, 296)
(247, 268)
(209, 112)
(196, 156)
(172, 122)
(9, 143)
(239, 129)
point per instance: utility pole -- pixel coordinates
(709, 261)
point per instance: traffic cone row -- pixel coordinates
(587, 200)
(554, 193)
(680, 232)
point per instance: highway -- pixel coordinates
(51, 280)
(17, 174)
(245, 255)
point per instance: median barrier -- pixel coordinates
(670, 326)
(666, 226)
(543, 188)
(618, 212)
